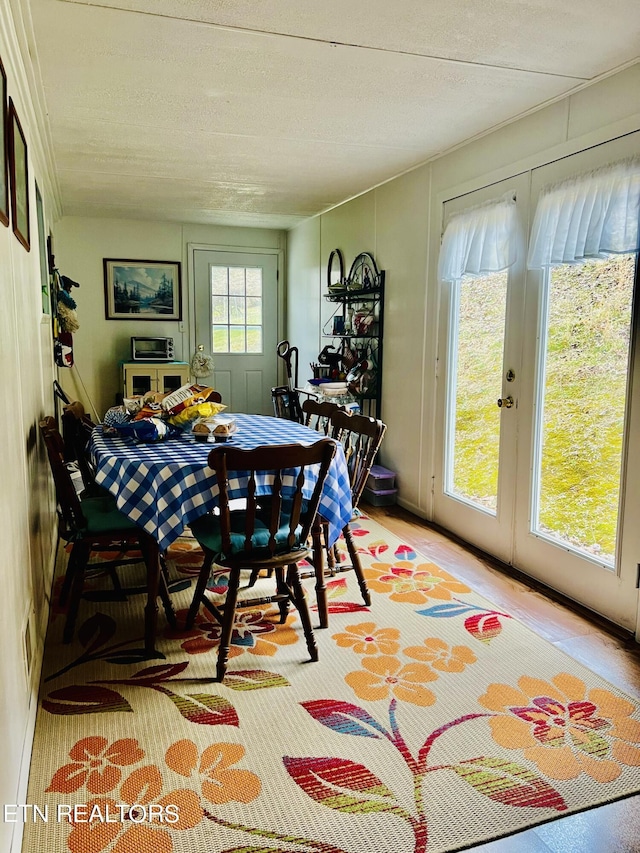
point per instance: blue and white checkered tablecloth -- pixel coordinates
(164, 486)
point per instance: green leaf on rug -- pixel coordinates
(204, 709)
(334, 782)
(254, 679)
(96, 631)
(159, 673)
(85, 699)
(259, 850)
(509, 783)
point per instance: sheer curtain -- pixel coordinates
(589, 216)
(479, 240)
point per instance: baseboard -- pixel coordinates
(412, 508)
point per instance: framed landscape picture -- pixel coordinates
(19, 174)
(4, 170)
(142, 290)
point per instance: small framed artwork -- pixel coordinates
(4, 156)
(42, 246)
(142, 290)
(19, 176)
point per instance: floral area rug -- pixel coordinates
(432, 722)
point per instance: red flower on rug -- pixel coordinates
(407, 583)
(96, 764)
(385, 676)
(255, 631)
(565, 729)
(221, 783)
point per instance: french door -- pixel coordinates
(236, 320)
(539, 412)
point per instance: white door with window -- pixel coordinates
(539, 384)
(236, 320)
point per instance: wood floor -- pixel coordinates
(614, 828)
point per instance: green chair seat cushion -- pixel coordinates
(206, 530)
(103, 516)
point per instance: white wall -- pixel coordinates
(99, 344)
(400, 223)
(26, 499)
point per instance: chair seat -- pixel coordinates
(207, 531)
(103, 515)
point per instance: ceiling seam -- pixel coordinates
(331, 42)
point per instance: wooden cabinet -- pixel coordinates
(140, 377)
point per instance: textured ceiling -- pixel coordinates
(263, 113)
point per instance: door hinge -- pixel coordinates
(638, 577)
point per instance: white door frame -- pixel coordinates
(249, 250)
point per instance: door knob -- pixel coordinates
(505, 402)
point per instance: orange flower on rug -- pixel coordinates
(564, 729)
(405, 582)
(256, 631)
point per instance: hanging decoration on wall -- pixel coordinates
(364, 273)
(65, 318)
(201, 363)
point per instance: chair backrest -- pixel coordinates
(69, 510)
(214, 397)
(286, 403)
(76, 432)
(361, 438)
(318, 415)
(289, 516)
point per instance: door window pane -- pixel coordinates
(581, 405)
(254, 338)
(236, 309)
(475, 384)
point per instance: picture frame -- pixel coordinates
(42, 247)
(4, 152)
(19, 178)
(142, 290)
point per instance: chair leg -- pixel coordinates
(300, 601)
(80, 556)
(68, 577)
(283, 603)
(357, 565)
(198, 595)
(165, 595)
(227, 623)
(150, 550)
(318, 566)
(330, 551)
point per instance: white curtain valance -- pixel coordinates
(590, 216)
(479, 240)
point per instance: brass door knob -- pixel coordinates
(505, 402)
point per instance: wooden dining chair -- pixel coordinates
(361, 437)
(269, 533)
(317, 415)
(286, 403)
(76, 432)
(93, 524)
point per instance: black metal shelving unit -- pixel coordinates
(362, 336)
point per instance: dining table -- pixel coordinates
(163, 486)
